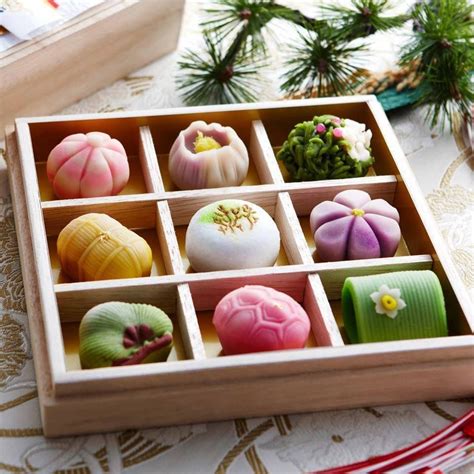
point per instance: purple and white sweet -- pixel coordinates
(354, 226)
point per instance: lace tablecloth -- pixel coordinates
(281, 444)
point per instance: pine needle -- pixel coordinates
(363, 18)
(212, 76)
(321, 65)
(443, 45)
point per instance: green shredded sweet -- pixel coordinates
(314, 151)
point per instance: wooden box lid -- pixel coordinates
(105, 43)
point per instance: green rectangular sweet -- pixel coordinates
(394, 306)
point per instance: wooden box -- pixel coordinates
(197, 384)
(84, 54)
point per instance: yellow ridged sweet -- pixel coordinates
(97, 247)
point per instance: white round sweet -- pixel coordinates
(231, 234)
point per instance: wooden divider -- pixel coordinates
(305, 196)
(293, 238)
(262, 152)
(149, 161)
(187, 318)
(134, 211)
(319, 310)
(168, 240)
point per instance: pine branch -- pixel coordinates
(363, 18)
(295, 16)
(324, 61)
(443, 45)
(322, 64)
(217, 77)
(229, 76)
(229, 16)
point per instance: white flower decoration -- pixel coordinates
(358, 138)
(388, 301)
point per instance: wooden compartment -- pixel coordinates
(168, 297)
(207, 295)
(414, 239)
(183, 207)
(143, 217)
(333, 280)
(135, 142)
(252, 134)
(278, 128)
(200, 386)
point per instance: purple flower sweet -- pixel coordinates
(353, 226)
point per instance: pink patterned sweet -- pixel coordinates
(353, 226)
(88, 165)
(258, 318)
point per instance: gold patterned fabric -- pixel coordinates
(281, 444)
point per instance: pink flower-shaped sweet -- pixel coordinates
(88, 165)
(258, 318)
(208, 156)
(353, 226)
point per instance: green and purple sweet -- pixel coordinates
(115, 334)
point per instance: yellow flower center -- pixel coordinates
(389, 302)
(204, 143)
(358, 212)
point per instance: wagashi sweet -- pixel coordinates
(88, 165)
(354, 226)
(231, 234)
(394, 306)
(327, 147)
(259, 318)
(117, 334)
(208, 156)
(98, 247)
